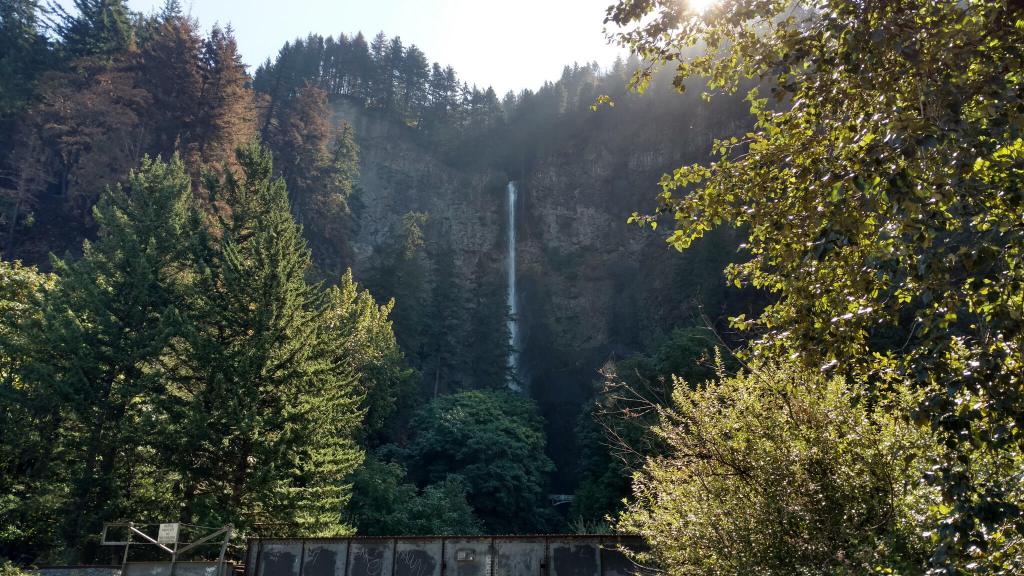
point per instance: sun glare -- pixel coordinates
(700, 6)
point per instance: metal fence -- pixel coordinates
(444, 556)
(141, 569)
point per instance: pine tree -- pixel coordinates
(379, 78)
(489, 337)
(271, 404)
(362, 69)
(445, 362)
(413, 75)
(227, 115)
(100, 28)
(401, 274)
(171, 71)
(23, 178)
(391, 65)
(24, 54)
(103, 331)
(319, 164)
(91, 117)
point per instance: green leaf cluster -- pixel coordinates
(494, 441)
(880, 192)
(384, 503)
(781, 470)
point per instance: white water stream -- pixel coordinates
(513, 305)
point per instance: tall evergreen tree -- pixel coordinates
(402, 273)
(269, 408)
(226, 116)
(100, 338)
(100, 28)
(171, 71)
(413, 75)
(362, 67)
(488, 339)
(91, 118)
(319, 164)
(28, 486)
(445, 362)
(24, 54)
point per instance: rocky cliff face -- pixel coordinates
(591, 286)
(398, 176)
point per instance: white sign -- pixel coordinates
(168, 534)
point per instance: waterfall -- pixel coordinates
(513, 305)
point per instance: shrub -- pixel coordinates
(783, 471)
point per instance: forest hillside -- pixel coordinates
(751, 293)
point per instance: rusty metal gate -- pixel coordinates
(443, 556)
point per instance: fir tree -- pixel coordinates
(226, 116)
(171, 71)
(489, 338)
(24, 54)
(276, 435)
(445, 361)
(103, 331)
(100, 28)
(319, 164)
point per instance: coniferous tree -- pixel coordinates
(378, 78)
(226, 118)
(24, 54)
(100, 28)
(319, 162)
(90, 118)
(24, 176)
(362, 67)
(488, 340)
(171, 72)
(413, 74)
(100, 338)
(28, 486)
(445, 367)
(278, 436)
(391, 64)
(403, 274)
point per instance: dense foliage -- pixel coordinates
(881, 198)
(183, 363)
(385, 503)
(495, 442)
(184, 367)
(616, 428)
(781, 470)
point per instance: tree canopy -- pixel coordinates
(495, 442)
(880, 195)
(781, 470)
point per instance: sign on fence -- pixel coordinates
(168, 533)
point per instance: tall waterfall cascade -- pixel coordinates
(513, 304)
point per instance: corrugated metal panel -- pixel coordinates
(518, 557)
(575, 557)
(557, 555)
(419, 557)
(371, 557)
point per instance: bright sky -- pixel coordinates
(509, 44)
